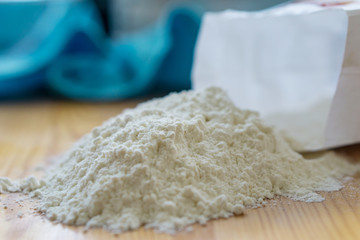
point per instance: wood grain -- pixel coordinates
(31, 134)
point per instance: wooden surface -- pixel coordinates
(31, 134)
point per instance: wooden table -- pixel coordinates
(31, 134)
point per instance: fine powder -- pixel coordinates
(170, 162)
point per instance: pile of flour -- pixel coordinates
(170, 162)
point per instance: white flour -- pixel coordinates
(174, 161)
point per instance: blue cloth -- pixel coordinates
(66, 49)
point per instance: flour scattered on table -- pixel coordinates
(170, 162)
(20, 214)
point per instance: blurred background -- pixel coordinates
(101, 50)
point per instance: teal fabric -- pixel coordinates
(38, 52)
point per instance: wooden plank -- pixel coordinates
(33, 133)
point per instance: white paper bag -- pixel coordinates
(281, 61)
